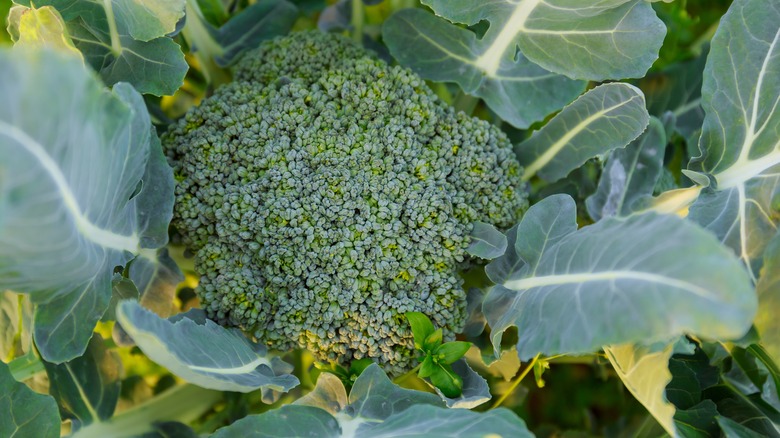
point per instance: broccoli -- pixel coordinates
(325, 193)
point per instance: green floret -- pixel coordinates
(326, 193)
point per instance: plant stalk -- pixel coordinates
(516, 383)
(358, 20)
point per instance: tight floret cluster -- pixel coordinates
(326, 193)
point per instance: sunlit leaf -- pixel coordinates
(739, 141)
(605, 118)
(203, 352)
(617, 282)
(66, 221)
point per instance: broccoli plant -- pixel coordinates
(377, 218)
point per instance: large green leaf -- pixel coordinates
(605, 118)
(518, 90)
(376, 408)
(124, 40)
(644, 278)
(629, 174)
(261, 21)
(66, 214)
(87, 388)
(23, 413)
(740, 140)
(149, 19)
(203, 352)
(612, 39)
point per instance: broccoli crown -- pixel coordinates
(326, 193)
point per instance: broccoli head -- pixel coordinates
(325, 193)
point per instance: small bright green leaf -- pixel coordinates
(451, 351)
(605, 118)
(259, 22)
(617, 282)
(446, 380)
(518, 90)
(427, 367)
(739, 139)
(202, 352)
(376, 408)
(486, 242)
(24, 413)
(422, 327)
(629, 174)
(87, 388)
(433, 340)
(645, 373)
(767, 322)
(66, 207)
(583, 40)
(42, 27)
(149, 19)
(9, 322)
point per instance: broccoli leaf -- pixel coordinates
(87, 388)
(204, 353)
(69, 200)
(629, 174)
(486, 241)
(258, 22)
(23, 413)
(616, 282)
(605, 118)
(149, 19)
(645, 372)
(377, 408)
(593, 41)
(124, 40)
(31, 28)
(739, 142)
(518, 90)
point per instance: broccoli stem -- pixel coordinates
(116, 45)
(358, 20)
(184, 403)
(516, 383)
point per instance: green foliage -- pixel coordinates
(436, 357)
